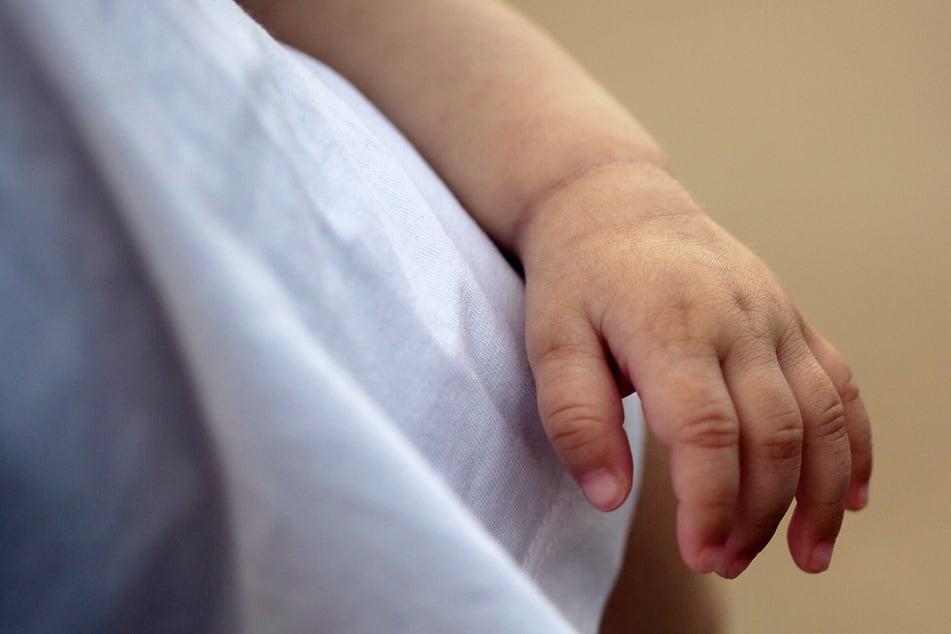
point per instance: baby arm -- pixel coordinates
(628, 282)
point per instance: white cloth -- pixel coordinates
(352, 340)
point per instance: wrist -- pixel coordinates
(608, 196)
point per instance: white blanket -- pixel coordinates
(352, 339)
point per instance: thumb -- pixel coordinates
(580, 408)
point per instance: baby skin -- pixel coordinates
(629, 284)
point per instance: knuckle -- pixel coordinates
(828, 421)
(832, 508)
(570, 428)
(784, 436)
(754, 307)
(791, 348)
(714, 427)
(743, 299)
(679, 338)
(552, 355)
(718, 507)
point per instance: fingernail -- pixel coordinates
(603, 489)
(710, 559)
(821, 556)
(861, 496)
(737, 567)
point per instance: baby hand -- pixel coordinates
(631, 285)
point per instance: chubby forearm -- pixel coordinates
(497, 108)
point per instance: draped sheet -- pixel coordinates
(262, 372)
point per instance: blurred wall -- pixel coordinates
(820, 134)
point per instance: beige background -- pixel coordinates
(820, 134)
